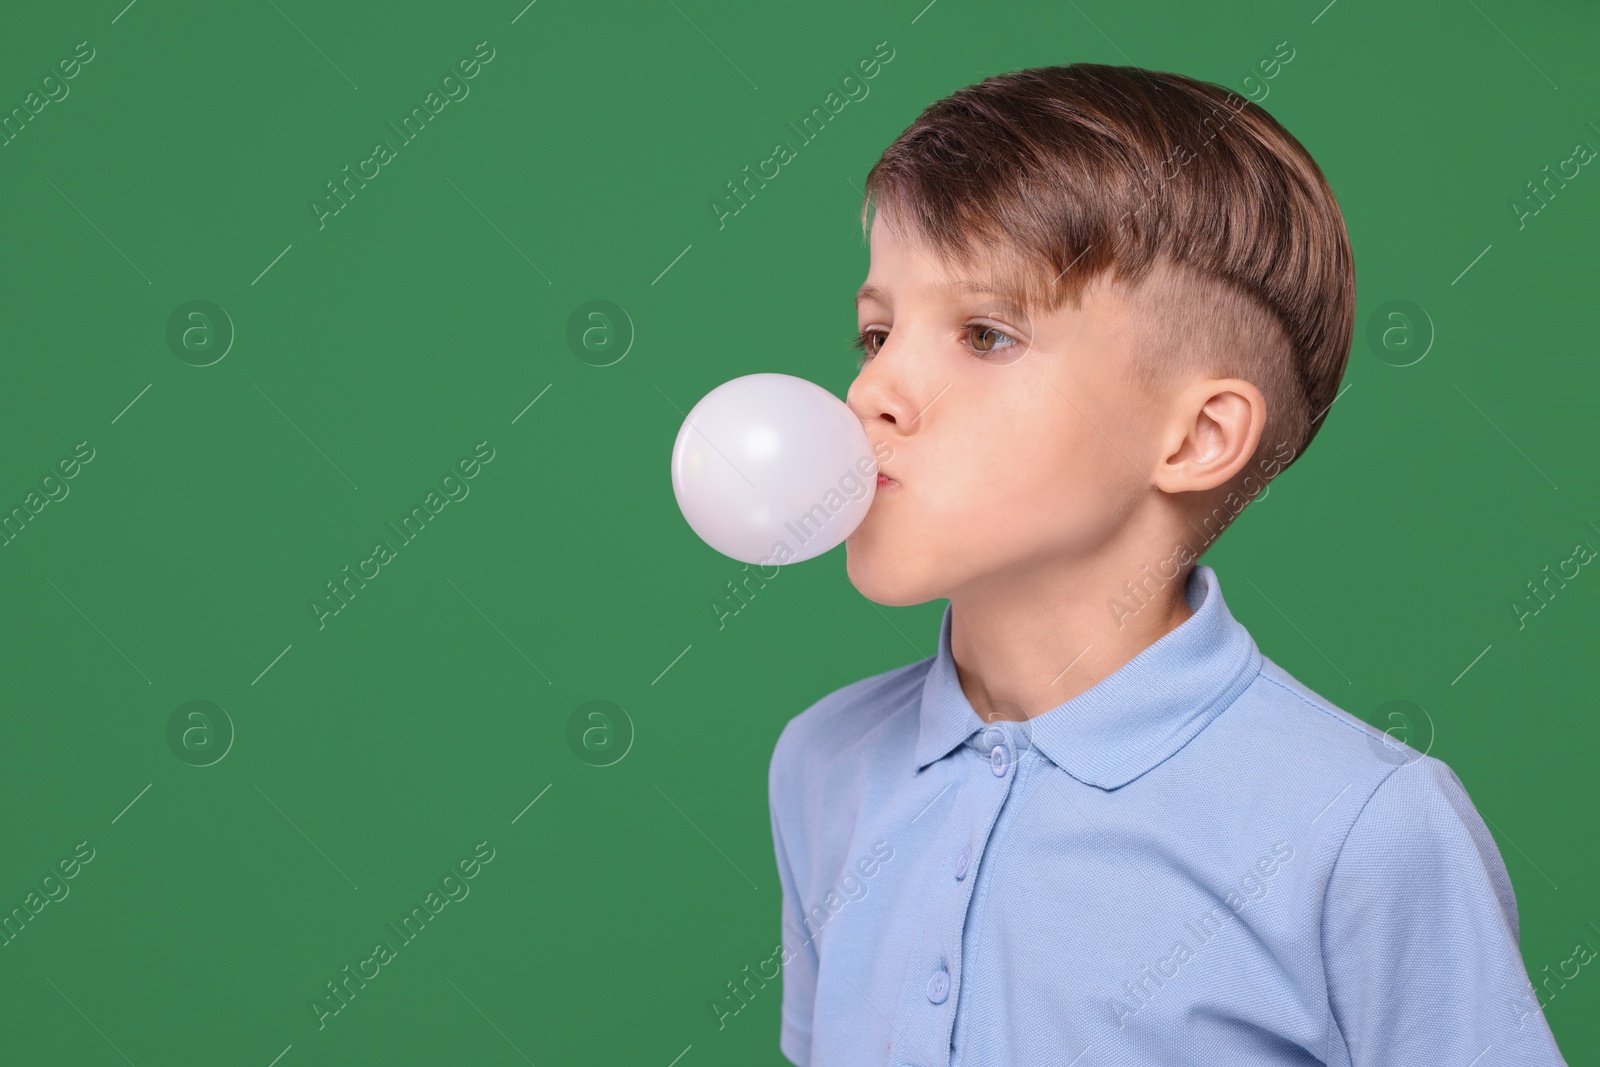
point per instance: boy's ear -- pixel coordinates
(1213, 431)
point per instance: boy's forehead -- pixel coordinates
(906, 265)
(884, 289)
(895, 242)
(902, 265)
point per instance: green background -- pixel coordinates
(372, 354)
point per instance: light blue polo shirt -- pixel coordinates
(1197, 861)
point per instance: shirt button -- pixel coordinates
(963, 861)
(939, 986)
(1000, 760)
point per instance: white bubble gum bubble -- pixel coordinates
(772, 469)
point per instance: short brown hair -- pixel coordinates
(1087, 169)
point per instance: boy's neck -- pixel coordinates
(1023, 647)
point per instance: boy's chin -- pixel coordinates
(892, 582)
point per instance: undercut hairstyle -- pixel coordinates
(1050, 178)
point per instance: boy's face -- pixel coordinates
(1017, 443)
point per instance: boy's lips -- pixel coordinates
(886, 480)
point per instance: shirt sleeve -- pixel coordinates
(799, 953)
(1420, 937)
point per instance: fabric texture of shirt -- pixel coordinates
(1196, 861)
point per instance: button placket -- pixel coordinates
(940, 952)
(1002, 745)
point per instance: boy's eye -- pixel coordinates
(989, 339)
(867, 342)
(992, 338)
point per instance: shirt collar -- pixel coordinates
(1128, 722)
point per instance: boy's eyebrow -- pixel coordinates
(961, 285)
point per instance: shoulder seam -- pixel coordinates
(788, 733)
(1328, 713)
(1327, 885)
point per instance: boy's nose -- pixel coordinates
(877, 394)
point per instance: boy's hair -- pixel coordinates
(1144, 176)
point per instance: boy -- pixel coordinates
(1105, 307)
